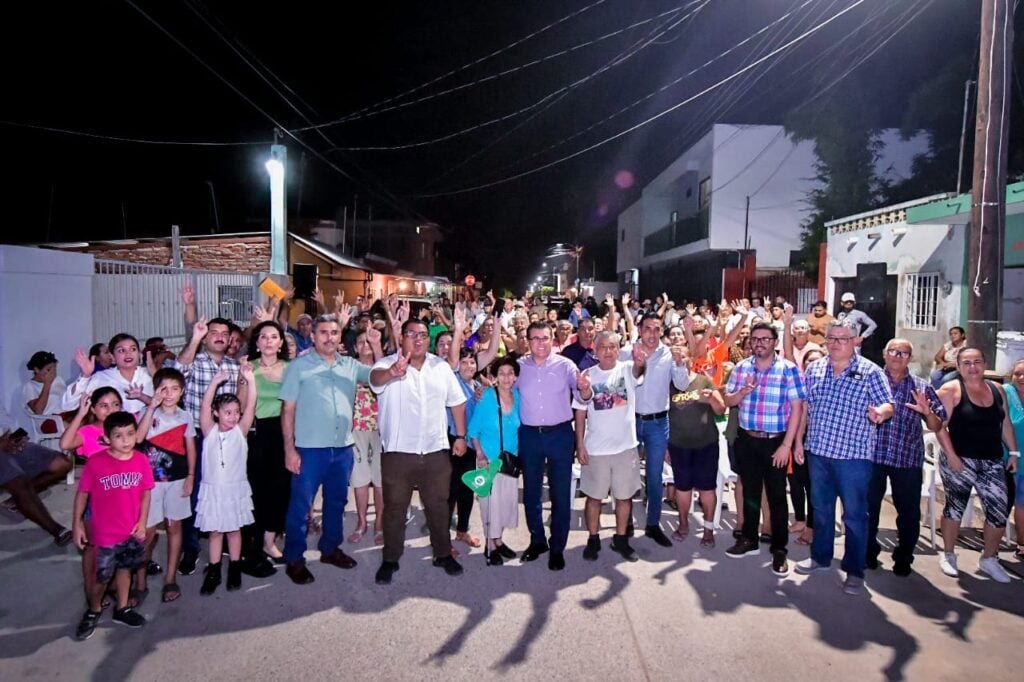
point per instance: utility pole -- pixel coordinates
(988, 202)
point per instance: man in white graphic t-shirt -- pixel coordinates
(606, 444)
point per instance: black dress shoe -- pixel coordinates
(871, 563)
(257, 567)
(338, 558)
(450, 565)
(298, 573)
(384, 573)
(658, 535)
(533, 552)
(556, 562)
(506, 552)
(493, 557)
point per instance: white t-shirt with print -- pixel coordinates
(611, 415)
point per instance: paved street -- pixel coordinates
(678, 613)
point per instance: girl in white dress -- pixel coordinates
(225, 498)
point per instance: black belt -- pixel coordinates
(546, 429)
(652, 417)
(763, 434)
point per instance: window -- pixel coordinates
(704, 193)
(623, 238)
(235, 302)
(921, 301)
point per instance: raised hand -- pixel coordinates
(639, 356)
(921, 404)
(344, 314)
(688, 322)
(84, 404)
(261, 314)
(460, 316)
(787, 315)
(289, 293)
(245, 368)
(188, 294)
(339, 302)
(691, 309)
(373, 337)
(626, 298)
(84, 362)
(398, 369)
(318, 296)
(609, 300)
(679, 356)
(199, 329)
(583, 381)
(220, 377)
(133, 392)
(402, 313)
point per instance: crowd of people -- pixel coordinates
(234, 436)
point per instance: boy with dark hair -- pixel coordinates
(167, 436)
(116, 485)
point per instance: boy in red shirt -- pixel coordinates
(116, 486)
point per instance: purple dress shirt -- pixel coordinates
(546, 390)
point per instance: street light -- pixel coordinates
(560, 250)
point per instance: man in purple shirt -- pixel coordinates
(547, 383)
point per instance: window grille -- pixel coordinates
(921, 301)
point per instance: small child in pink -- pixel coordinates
(116, 484)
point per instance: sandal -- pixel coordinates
(707, 539)
(356, 537)
(678, 537)
(136, 598)
(671, 503)
(378, 539)
(1019, 553)
(63, 538)
(170, 593)
(468, 539)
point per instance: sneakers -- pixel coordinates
(853, 585)
(450, 565)
(620, 544)
(808, 566)
(990, 566)
(385, 572)
(743, 547)
(947, 563)
(593, 548)
(780, 564)
(187, 564)
(655, 533)
(129, 617)
(87, 625)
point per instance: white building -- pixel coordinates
(691, 220)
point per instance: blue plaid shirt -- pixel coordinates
(767, 408)
(837, 408)
(901, 439)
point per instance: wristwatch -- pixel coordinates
(458, 437)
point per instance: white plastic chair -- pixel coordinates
(46, 430)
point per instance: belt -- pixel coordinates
(763, 434)
(652, 417)
(546, 429)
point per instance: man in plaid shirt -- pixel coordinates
(899, 455)
(847, 398)
(770, 395)
(199, 369)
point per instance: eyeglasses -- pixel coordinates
(897, 353)
(542, 339)
(841, 340)
(761, 339)
(415, 335)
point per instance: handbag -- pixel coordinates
(510, 465)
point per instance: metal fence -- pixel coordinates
(145, 300)
(798, 289)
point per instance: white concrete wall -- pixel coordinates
(923, 249)
(629, 248)
(45, 304)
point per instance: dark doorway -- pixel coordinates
(880, 308)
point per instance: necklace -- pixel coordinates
(264, 365)
(220, 442)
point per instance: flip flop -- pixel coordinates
(170, 593)
(356, 537)
(468, 539)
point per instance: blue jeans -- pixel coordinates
(653, 436)
(555, 448)
(332, 468)
(849, 480)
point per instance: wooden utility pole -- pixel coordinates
(988, 202)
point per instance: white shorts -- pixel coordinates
(167, 502)
(617, 474)
(365, 459)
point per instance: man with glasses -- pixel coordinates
(848, 396)
(899, 455)
(317, 395)
(547, 383)
(770, 394)
(413, 389)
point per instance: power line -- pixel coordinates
(564, 89)
(132, 140)
(371, 108)
(651, 119)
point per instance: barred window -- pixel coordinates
(235, 303)
(921, 301)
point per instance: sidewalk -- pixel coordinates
(678, 613)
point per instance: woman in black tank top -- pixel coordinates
(972, 459)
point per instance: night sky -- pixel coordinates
(104, 68)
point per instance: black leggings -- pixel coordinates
(800, 493)
(460, 496)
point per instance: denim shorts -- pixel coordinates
(130, 555)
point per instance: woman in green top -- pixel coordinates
(271, 482)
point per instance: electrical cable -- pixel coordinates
(133, 140)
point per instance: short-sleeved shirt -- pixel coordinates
(115, 488)
(611, 414)
(583, 358)
(412, 409)
(768, 407)
(837, 408)
(91, 435)
(31, 390)
(468, 390)
(165, 444)
(364, 416)
(713, 363)
(324, 397)
(901, 439)
(691, 423)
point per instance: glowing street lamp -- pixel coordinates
(278, 210)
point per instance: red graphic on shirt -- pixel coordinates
(171, 440)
